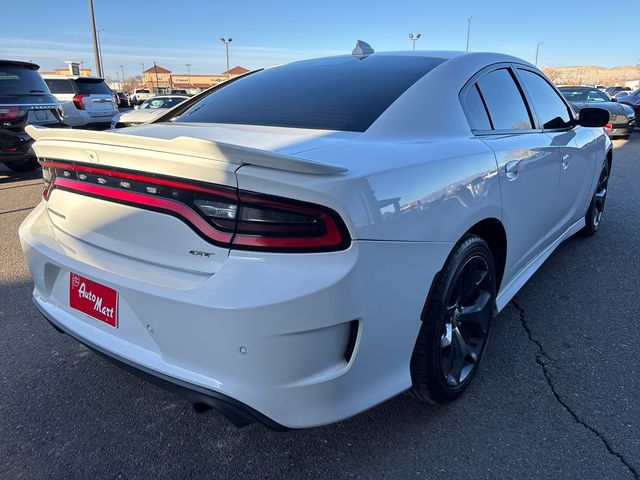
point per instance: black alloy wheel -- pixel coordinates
(593, 218)
(467, 317)
(454, 333)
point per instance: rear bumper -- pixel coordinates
(14, 145)
(263, 339)
(202, 399)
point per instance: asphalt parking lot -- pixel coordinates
(558, 395)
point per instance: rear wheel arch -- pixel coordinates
(492, 231)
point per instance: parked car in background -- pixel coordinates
(123, 99)
(633, 100)
(631, 114)
(148, 110)
(180, 92)
(612, 91)
(620, 95)
(298, 255)
(87, 101)
(139, 95)
(24, 100)
(619, 125)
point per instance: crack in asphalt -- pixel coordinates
(541, 356)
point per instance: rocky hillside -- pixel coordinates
(592, 75)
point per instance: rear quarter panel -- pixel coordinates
(420, 191)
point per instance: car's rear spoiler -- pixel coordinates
(195, 147)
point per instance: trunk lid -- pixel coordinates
(134, 192)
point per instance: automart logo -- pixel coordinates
(93, 299)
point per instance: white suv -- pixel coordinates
(86, 101)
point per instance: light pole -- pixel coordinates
(142, 77)
(100, 50)
(226, 42)
(538, 51)
(96, 45)
(468, 30)
(122, 70)
(188, 65)
(155, 69)
(414, 39)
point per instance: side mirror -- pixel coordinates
(593, 117)
(614, 99)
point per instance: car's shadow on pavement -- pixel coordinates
(7, 176)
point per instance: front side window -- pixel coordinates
(504, 101)
(552, 111)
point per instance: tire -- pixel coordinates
(450, 318)
(593, 218)
(28, 165)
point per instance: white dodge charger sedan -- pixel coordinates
(302, 243)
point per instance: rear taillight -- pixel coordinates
(9, 113)
(78, 100)
(608, 127)
(273, 223)
(221, 215)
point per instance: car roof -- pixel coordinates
(18, 63)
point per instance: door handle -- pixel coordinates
(511, 169)
(565, 161)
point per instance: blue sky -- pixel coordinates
(574, 32)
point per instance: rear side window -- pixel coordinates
(61, 85)
(504, 101)
(552, 111)
(19, 81)
(475, 110)
(339, 93)
(92, 87)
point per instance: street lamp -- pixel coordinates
(122, 70)
(188, 65)
(226, 42)
(538, 51)
(414, 39)
(96, 45)
(100, 51)
(468, 30)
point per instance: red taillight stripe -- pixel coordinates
(142, 178)
(147, 201)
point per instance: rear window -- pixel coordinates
(504, 101)
(141, 90)
(340, 93)
(61, 85)
(20, 81)
(92, 87)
